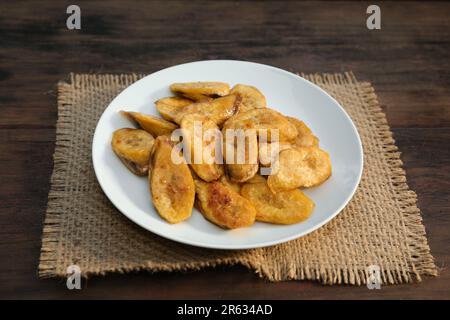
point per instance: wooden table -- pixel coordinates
(408, 62)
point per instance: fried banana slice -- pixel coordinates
(170, 106)
(257, 179)
(223, 206)
(252, 98)
(305, 136)
(197, 97)
(171, 183)
(233, 185)
(241, 172)
(202, 138)
(204, 88)
(153, 125)
(264, 121)
(133, 147)
(268, 151)
(218, 110)
(174, 101)
(300, 167)
(241, 157)
(286, 207)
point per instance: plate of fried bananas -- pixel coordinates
(227, 154)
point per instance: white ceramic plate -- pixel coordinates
(285, 92)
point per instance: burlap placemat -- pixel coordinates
(380, 226)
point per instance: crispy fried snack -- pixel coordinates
(198, 97)
(133, 147)
(223, 206)
(233, 185)
(171, 183)
(218, 110)
(194, 127)
(204, 88)
(252, 98)
(286, 207)
(241, 196)
(269, 151)
(300, 167)
(170, 106)
(174, 101)
(263, 120)
(242, 167)
(257, 178)
(153, 125)
(305, 136)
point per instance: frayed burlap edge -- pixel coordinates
(422, 260)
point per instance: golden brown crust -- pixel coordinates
(217, 110)
(153, 125)
(174, 101)
(197, 97)
(204, 88)
(263, 120)
(252, 98)
(300, 167)
(286, 207)
(223, 206)
(305, 136)
(231, 184)
(170, 106)
(257, 178)
(241, 171)
(133, 147)
(171, 183)
(268, 152)
(208, 169)
(228, 200)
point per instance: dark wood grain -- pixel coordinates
(408, 62)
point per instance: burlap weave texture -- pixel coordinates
(380, 226)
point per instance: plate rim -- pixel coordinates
(241, 246)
